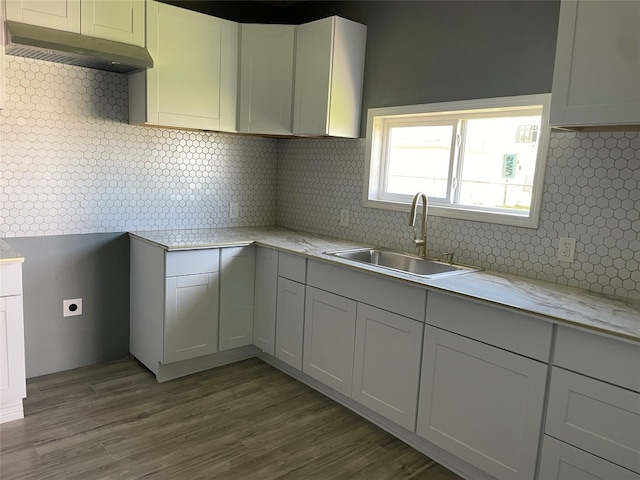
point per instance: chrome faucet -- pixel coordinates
(420, 239)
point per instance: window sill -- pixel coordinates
(462, 213)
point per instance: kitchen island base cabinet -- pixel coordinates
(237, 272)
(561, 461)
(329, 335)
(386, 369)
(481, 403)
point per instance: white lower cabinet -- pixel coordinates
(329, 335)
(386, 370)
(481, 403)
(237, 272)
(264, 300)
(290, 322)
(13, 387)
(191, 316)
(561, 461)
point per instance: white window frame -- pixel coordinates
(443, 113)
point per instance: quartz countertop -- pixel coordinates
(557, 303)
(8, 254)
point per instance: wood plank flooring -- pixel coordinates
(242, 421)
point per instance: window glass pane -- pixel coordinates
(419, 159)
(499, 162)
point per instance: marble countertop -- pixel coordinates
(558, 303)
(8, 254)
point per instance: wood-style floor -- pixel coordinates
(242, 421)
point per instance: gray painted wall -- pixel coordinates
(93, 267)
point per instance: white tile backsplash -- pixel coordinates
(72, 164)
(591, 194)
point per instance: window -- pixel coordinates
(480, 160)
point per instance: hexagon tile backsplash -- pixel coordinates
(591, 193)
(71, 163)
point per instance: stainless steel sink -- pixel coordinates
(402, 262)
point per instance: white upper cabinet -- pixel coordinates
(328, 79)
(266, 79)
(58, 14)
(596, 79)
(193, 83)
(117, 20)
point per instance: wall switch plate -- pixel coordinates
(566, 249)
(72, 307)
(344, 217)
(234, 210)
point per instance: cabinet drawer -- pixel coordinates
(10, 279)
(565, 462)
(594, 416)
(488, 324)
(190, 262)
(372, 289)
(292, 267)
(599, 357)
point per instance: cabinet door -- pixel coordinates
(328, 79)
(266, 79)
(565, 462)
(386, 370)
(329, 335)
(12, 361)
(290, 322)
(597, 62)
(482, 404)
(576, 410)
(264, 303)
(191, 316)
(193, 83)
(237, 271)
(57, 14)
(117, 20)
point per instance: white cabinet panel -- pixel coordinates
(292, 267)
(564, 462)
(290, 322)
(481, 403)
(191, 316)
(266, 79)
(193, 83)
(57, 14)
(328, 79)
(264, 302)
(386, 370)
(597, 62)
(117, 20)
(237, 271)
(597, 417)
(329, 335)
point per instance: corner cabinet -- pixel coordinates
(193, 83)
(596, 81)
(118, 20)
(266, 79)
(328, 77)
(13, 387)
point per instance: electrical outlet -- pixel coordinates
(344, 217)
(566, 249)
(234, 210)
(72, 307)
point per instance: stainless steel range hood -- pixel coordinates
(43, 43)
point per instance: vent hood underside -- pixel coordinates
(58, 46)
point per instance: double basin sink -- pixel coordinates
(402, 262)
